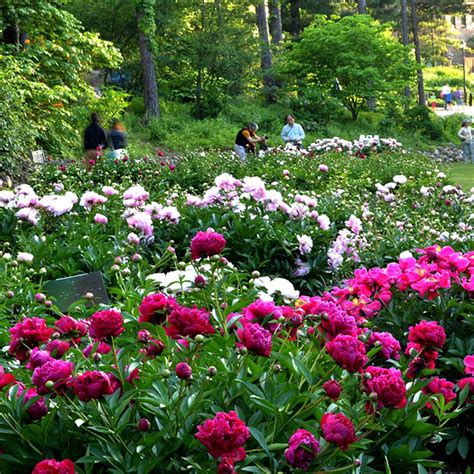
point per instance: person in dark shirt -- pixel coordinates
(94, 138)
(117, 139)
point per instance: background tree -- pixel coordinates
(266, 61)
(357, 52)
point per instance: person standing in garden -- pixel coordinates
(117, 139)
(458, 95)
(292, 132)
(465, 134)
(94, 140)
(447, 96)
(246, 140)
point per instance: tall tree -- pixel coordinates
(295, 17)
(145, 13)
(405, 40)
(266, 61)
(416, 41)
(274, 22)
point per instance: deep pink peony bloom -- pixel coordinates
(440, 386)
(155, 308)
(5, 379)
(348, 352)
(27, 334)
(338, 429)
(207, 244)
(92, 384)
(332, 389)
(467, 381)
(38, 408)
(259, 310)
(387, 385)
(143, 424)
(104, 324)
(469, 365)
(390, 346)
(224, 436)
(98, 347)
(56, 371)
(226, 466)
(57, 348)
(255, 338)
(303, 448)
(51, 466)
(72, 328)
(184, 321)
(183, 371)
(38, 358)
(154, 348)
(428, 334)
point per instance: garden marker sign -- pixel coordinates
(67, 291)
(38, 157)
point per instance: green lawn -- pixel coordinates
(463, 174)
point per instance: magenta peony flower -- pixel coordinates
(303, 448)
(207, 244)
(469, 365)
(143, 424)
(226, 466)
(388, 386)
(38, 358)
(5, 379)
(91, 385)
(259, 311)
(255, 338)
(390, 346)
(106, 323)
(38, 408)
(467, 381)
(190, 322)
(27, 334)
(71, 328)
(155, 308)
(332, 389)
(348, 352)
(427, 334)
(55, 371)
(183, 371)
(51, 466)
(98, 347)
(57, 348)
(338, 429)
(224, 436)
(440, 386)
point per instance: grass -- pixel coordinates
(463, 174)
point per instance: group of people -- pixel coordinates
(247, 138)
(449, 97)
(96, 138)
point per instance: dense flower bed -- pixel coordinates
(258, 321)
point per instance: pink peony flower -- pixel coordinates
(332, 389)
(92, 384)
(183, 371)
(100, 219)
(348, 352)
(207, 244)
(323, 168)
(51, 466)
(57, 348)
(106, 323)
(184, 321)
(390, 346)
(427, 334)
(5, 379)
(38, 358)
(226, 466)
(302, 449)
(469, 364)
(387, 385)
(255, 339)
(224, 436)
(27, 334)
(467, 381)
(71, 328)
(442, 387)
(90, 199)
(38, 407)
(54, 371)
(155, 308)
(338, 429)
(98, 348)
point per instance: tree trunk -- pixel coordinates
(406, 41)
(266, 61)
(362, 7)
(11, 33)
(274, 23)
(150, 88)
(295, 18)
(416, 41)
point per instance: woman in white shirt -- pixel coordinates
(292, 132)
(465, 134)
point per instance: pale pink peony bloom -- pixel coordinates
(90, 199)
(100, 219)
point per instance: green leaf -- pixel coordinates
(463, 447)
(258, 435)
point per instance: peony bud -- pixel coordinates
(115, 268)
(97, 357)
(126, 272)
(199, 338)
(143, 336)
(256, 274)
(211, 371)
(332, 389)
(137, 258)
(143, 424)
(183, 371)
(40, 297)
(49, 384)
(48, 303)
(10, 294)
(277, 368)
(165, 373)
(118, 260)
(89, 295)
